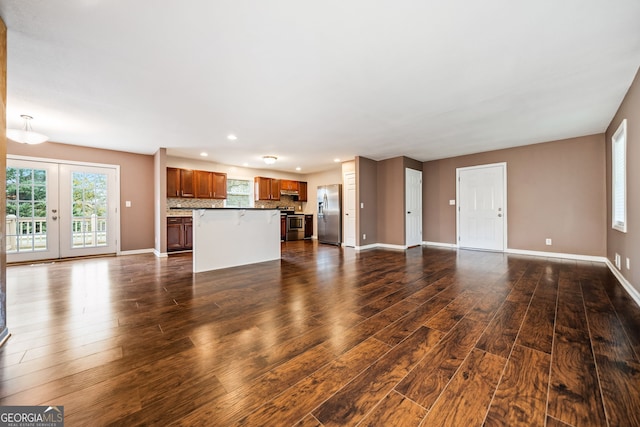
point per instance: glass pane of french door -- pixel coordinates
(31, 215)
(89, 195)
(59, 210)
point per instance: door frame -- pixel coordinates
(503, 165)
(346, 207)
(407, 171)
(89, 164)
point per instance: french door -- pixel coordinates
(59, 210)
(482, 213)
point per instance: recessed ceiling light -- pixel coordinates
(203, 154)
(298, 168)
(231, 137)
(245, 164)
(336, 160)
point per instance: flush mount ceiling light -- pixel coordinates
(231, 137)
(26, 135)
(269, 159)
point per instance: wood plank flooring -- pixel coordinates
(325, 337)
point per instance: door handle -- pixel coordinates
(54, 217)
(409, 212)
(499, 215)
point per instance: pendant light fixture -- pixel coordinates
(26, 135)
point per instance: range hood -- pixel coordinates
(289, 192)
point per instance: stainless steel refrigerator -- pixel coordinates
(330, 214)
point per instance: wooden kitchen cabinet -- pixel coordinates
(302, 191)
(308, 226)
(266, 188)
(210, 185)
(180, 183)
(288, 185)
(186, 183)
(173, 182)
(179, 233)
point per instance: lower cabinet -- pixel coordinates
(308, 226)
(179, 233)
(283, 227)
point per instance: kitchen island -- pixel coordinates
(229, 237)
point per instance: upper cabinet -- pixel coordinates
(188, 183)
(287, 185)
(266, 188)
(179, 182)
(210, 185)
(302, 191)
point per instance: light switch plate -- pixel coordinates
(127, 203)
(452, 202)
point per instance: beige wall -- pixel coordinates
(367, 193)
(390, 184)
(136, 185)
(627, 244)
(554, 190)
(381, 187)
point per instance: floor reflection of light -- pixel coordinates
(90, 294)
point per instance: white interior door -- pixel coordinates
(413, 204)
(482, 206)
(32, 230)
(350, 209)
(57, 210)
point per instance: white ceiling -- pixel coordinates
(313, 81)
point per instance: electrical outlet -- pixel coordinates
(452, 202)
(548, 242)
(361, 205)
(628, 264)
(364, 237)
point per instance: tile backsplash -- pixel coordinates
(209, 203)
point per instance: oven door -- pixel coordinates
(295, 227)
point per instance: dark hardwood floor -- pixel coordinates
(325, 337)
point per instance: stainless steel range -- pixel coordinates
(295, 227)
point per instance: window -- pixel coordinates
(238, 193)
(619, 178)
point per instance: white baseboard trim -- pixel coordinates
(160, 254)
(388, 246)
(137, 252)
(441, 245)
(380, 246)
(557, 255)
(633, 292)
(365, 247)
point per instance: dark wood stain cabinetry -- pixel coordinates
(179, 233)
(210, 185)
(266, 188)
(180, 183)
(308, 226)
(302, 191)
(187, 183)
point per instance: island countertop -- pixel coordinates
(229, 237)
